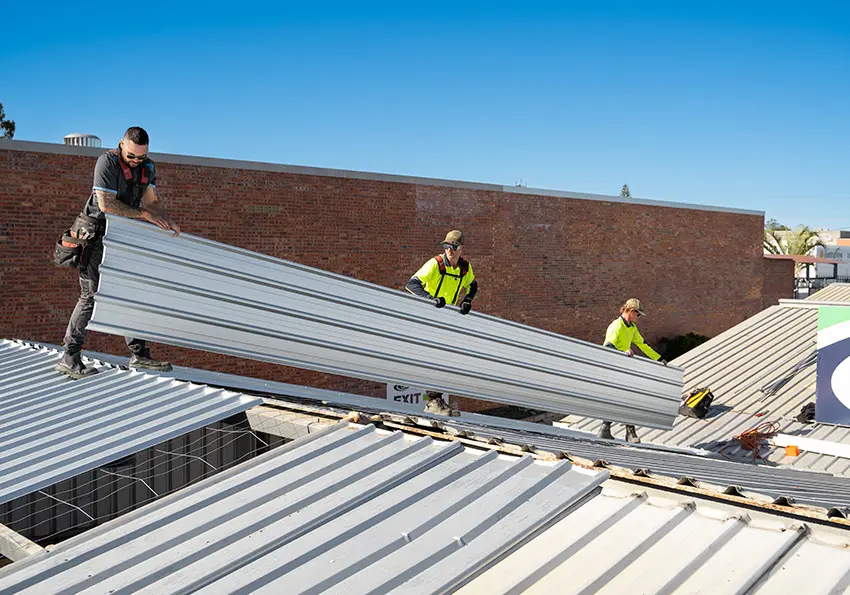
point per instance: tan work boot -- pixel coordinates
(438, 406)
(143, 361)
(73, 367)
(631, 435)
(605, 431)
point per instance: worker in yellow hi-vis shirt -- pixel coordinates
(621, 334)
(446, 279)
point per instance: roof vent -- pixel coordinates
(82, 140)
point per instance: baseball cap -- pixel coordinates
(634, 304)
(455, 236)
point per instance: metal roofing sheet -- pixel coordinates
(802, 486)
(753, 354)
(715, 434)
(318, 396)
(196, 293)
(53, 428)
(629, 543)
(834, 292)
(674, 459)
(346, 509)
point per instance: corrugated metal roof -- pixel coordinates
(620, 542)
(205, 295)
(715, 434)
(801, 486)
(676, 460)
(760, 351)
(347, 509)
(736, 365)
(834, 292)
(53, 428)
(352, 509)
(293, 393)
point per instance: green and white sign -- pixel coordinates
(833, 376)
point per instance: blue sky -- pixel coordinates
(695, 102)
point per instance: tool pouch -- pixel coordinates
(696, 403)
(68, 251)
(73, 249)
(86, 229)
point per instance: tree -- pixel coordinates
(625, 192)
(681, 344)
(799, 242)
(774, 225)
(8, 126)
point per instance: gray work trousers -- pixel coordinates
(75, 335)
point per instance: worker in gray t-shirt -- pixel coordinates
(124, 184)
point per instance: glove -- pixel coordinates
(440, 302)
(663, 361)
(465, 306)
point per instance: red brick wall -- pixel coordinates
(778, 281)
(562, 264)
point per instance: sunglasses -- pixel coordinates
(451, 245)
(139, 157)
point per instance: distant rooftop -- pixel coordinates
(834, 292)
(82, 140)
(802, 258)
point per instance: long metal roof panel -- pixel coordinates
(346, 509)
(53, 428)
(200, 294)
(716, 434)
(801, 486)
(620, 542)
(807, 479)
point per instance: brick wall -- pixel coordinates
(554, 262)
(778, 281)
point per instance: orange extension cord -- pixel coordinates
(754, 438)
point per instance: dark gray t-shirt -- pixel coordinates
(109, 177)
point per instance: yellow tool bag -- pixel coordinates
(696, 403)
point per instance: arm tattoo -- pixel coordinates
(109, 203)
(151, 202)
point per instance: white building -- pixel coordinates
(837, 247)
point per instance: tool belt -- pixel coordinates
(74, 248)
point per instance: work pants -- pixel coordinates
(75, 334)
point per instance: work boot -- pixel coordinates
(143, 361)
(605, 431)
(73, 367)
(438, 406)
(631, 435)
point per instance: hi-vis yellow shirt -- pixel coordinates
(430, 276)
(622, 336)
